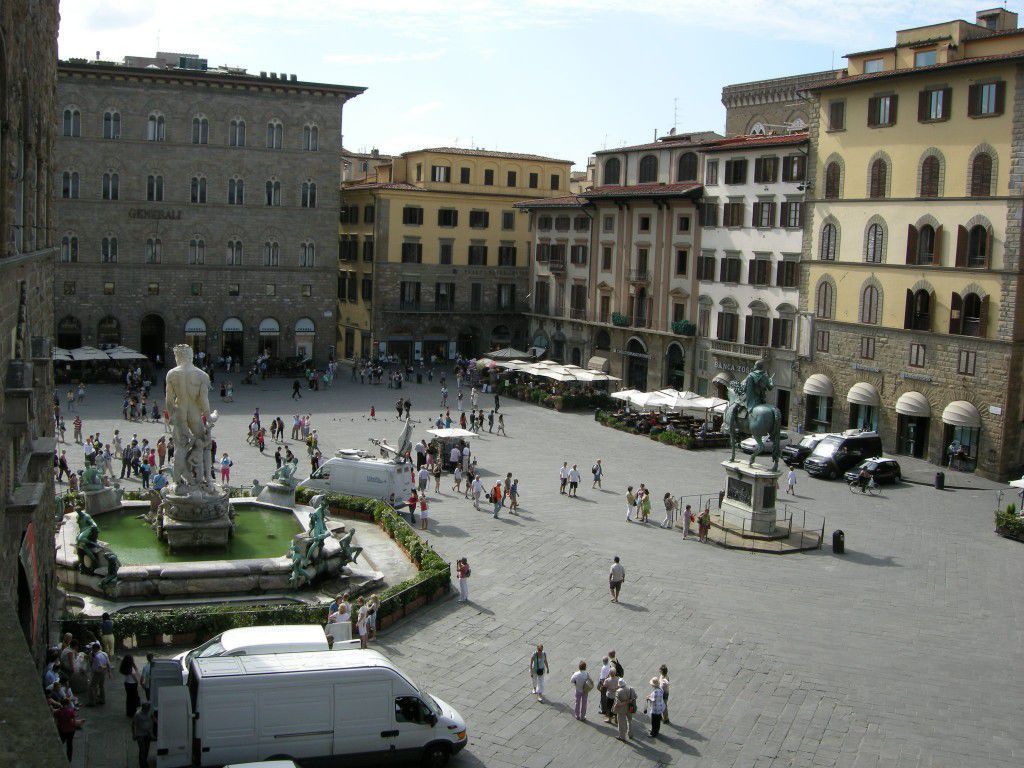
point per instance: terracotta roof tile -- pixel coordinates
(890, 73)
(568, 201)
(669, 141)
(486, 153)
(752, 142)
(399, 185)
(643, 190)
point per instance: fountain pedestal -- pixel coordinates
(750, 496)
(102, 500)
(200, 518)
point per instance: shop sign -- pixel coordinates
(638, 355)
(916, 377)
(146, 213)
(732, 367)
(866, 368)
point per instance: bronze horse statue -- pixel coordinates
(760, 421)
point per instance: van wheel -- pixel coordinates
(436, 755)
(832, 474)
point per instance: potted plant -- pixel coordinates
(684, 328)
(619, 319)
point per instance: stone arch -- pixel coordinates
(922, 285)
(978, 220)
(836, 158)
(875, 314)
(937, 154)
(757, 305)
(991, 151)
(927, 219)
(797, 120)
(974, 288)
(638, 342)
(785, 308)
(705, 301)
(755, 127)
(880, 155)
(728, 302)
(876, 249)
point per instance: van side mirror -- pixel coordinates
(432, 719)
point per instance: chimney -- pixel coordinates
(263, 75)
(97, 55)
(295, 78)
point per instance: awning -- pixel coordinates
(194, 326)
(863, 393)
(913, 404)
(269, 326)
(820, 385)
(598, 364)
(232, 325)
(722, 378)
(304, 325)
(961, 414)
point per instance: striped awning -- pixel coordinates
(961, 414)
(819, 385)
(863, 393)
(913, 404)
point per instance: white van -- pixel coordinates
(299, 706)
(355, 473)
(250, 641)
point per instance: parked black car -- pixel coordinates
(837, 453)
(795, 453)
(881, 470)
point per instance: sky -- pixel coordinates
(561, 78)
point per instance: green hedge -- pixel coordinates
(1009, 523)
(678, 439)
(209, 620)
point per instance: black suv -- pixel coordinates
(795, 453)
(881, 471)
(837, 453)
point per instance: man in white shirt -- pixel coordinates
(465, 457)
(99, 667)
(563, 476)
(606, 669)
(478, 489)
(616, 576)
(455, 457)
(574, 480)
(423, 477)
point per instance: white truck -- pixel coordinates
(302, 706)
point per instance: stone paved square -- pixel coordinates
(906, 651)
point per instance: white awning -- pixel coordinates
(304, 325)
(913, 404)
(269, 327)
(598, 364)
(232, 325)
(195, 325)
(452, 433)
(961, 414)
(722, 378)
(863, 393)
(820, 385)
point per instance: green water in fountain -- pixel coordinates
(259, 532)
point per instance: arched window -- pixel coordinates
(154, 250)
(111, 186)
(108, 250)
(308, 194)
(687, 170)
(874, 244)
(919, 310)
(981, 175)
(930, 177)
(310, 138)
(273, 192)
(275, 134)
(111, 124)
(197, 251)
(925, 245)
(198, 189)
(307, 255)
(69, 248)
(648, 169)
(72, 124)
(200, 130)
(236, 133)
(271, 254)
(832, 171)
(978, 246)
(236, 191)
(829, 236)
(870, 305)
(612, 170)
(879, 176)
(973, 309)
(155, 188)
(69, 185)
(825, 301)
(234, 256)
(156, 127)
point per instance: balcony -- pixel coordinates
(557, 266)
(741, 350)
(559, 309)
(578, 313)
(641, 275)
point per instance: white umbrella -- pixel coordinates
(507, 353)
(675, 399)
(452, 432)
(649, 400)
(625, 394)
(124, 353)
(512, 365)
(60, 353)
(89, 353)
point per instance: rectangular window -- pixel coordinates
(368, 248)
(153, 289)
(678, 311)
(867, 347)
(792, 215)
(759, 271)
(69, 287)
(108, 289)
(764, 214)
(412, 215)
(556, 181)
(711, 173)
(704, 322)
(447, 217)
(506, 295)
(366, 289)
(489, 177)
(794, 168)
(756, 330)
(644, 224)
(729, 272)
(709, 214)
(369, 212)
(782, 333)
(270, 289)
(925, 58)
(917, 356)
(510, 179)
(412, 253)
(463, 175)
(478, 255)
(233, 290)
(986, 99)
(604, 309)
(683, 225)
(837, 116)
(608, 224)
(736, 171)
(706, 266)
(534, 180)
(476, 296)
(606, 258)
(882, 111)
(409, 294)
(682, 261)
(787, 273)
(821, 341)
(506, 255)
(441, 173)
(306, 290)
(967, 362)
(733, 215)
(873, 65)
(419, 171)
(444, 297)
(353, 287)
(933, 105)
(728, 326)
(766, 170)
(479, 219)
(508, 220)
(444, 251)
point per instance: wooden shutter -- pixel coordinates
(800, 211)
(956, 313)
(973, 100)
(784, 214)
(728, 171)
(720, 317)
(756, 220)
(947, 103)
(775, 331)
(751, 271)
(1000, 97)
(723, 271)
(923, 99)
(748, 329)
(893, 101)
(908, 312)
(911, 244)
(990, 241)
(983, 317)
(873, 111)
(787, 168)
(961, 246)
(937, 247)
(837, 116)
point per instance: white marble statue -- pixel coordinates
(188, 404)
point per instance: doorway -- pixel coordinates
(912, 435)
(636, 365)
(69, 333)
(152, 337)
(675, 367)
(782, 403)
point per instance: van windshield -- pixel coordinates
(433, 705)
(826, 448)
(211, 647)
(809, 442)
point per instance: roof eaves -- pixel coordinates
(895, 73)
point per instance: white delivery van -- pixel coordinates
(357, 473)
(302, 706)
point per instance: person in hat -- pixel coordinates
(656, 704)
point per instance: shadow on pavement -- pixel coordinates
(863, 558)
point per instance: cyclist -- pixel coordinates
(863, 479)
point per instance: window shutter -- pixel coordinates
(873, 111)
(776, 322)
(983, 317)
(748, 330)
(719, 318)
(751, 272)
(1000, 97)
(723, 271)
(908, 312)
(956, 311)
(757, 215)
(787, 168)
(947, 103)
(990, 241)
(728, 171)
(973, 100)
(911, 244)
(937, 247)
(923, 97)
(893, 101)
(961, 246)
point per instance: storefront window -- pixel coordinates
(819, 414)
(960, 447)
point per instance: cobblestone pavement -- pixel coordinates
(905, 651)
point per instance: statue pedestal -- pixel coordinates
(749, 501)
(277, 493)
(103, 500)
(199, 519)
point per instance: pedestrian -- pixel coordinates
(77, 432)
(630, 504)
(424, 525)
(143, 732)
(791, 482)
(501, 424)
(462, 572)
(225, 469)
(687, 519)
(584, 685)
(130, 677)
(624, 707)
(144, 472)
(435, 471)
(645, 505)
(107, 634)
(538, 669)
(496, 498)
(506, 488)
(563, 477)
(598, 472)
(277, 457)
(670, 511)
(147, 676)
(490, 421)
(457, 478)
(513, 497)
(362, 625)
(478, 489)
(99, 668)
(616, 576)
(422, 477)
(663, 683)
(574, 481)
(67, 722)
(161, 451)
(296, 390)
(704, 523)
(607, 669)
(497, 402)
(656, 704)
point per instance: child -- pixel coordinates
(423, 513)
(373, 413)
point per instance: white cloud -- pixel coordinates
(363, 59)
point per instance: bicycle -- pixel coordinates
(871, 488)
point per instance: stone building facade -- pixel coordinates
(765, 106)
(29, 597)
(196, 205)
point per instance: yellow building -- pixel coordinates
(912, 254)
(434, 258)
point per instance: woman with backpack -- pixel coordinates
(538, 669)
(584, 685)
(462, 572)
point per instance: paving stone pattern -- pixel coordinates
(905, 651)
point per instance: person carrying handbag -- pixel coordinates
(583, 683)
(538, 669)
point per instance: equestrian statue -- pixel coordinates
(748, 413)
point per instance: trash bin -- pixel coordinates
(940, 480)
(838, 542)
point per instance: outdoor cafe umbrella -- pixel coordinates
(507, 353)
(89, 353)
(124, 353)
(59, 353)
(625, 394)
